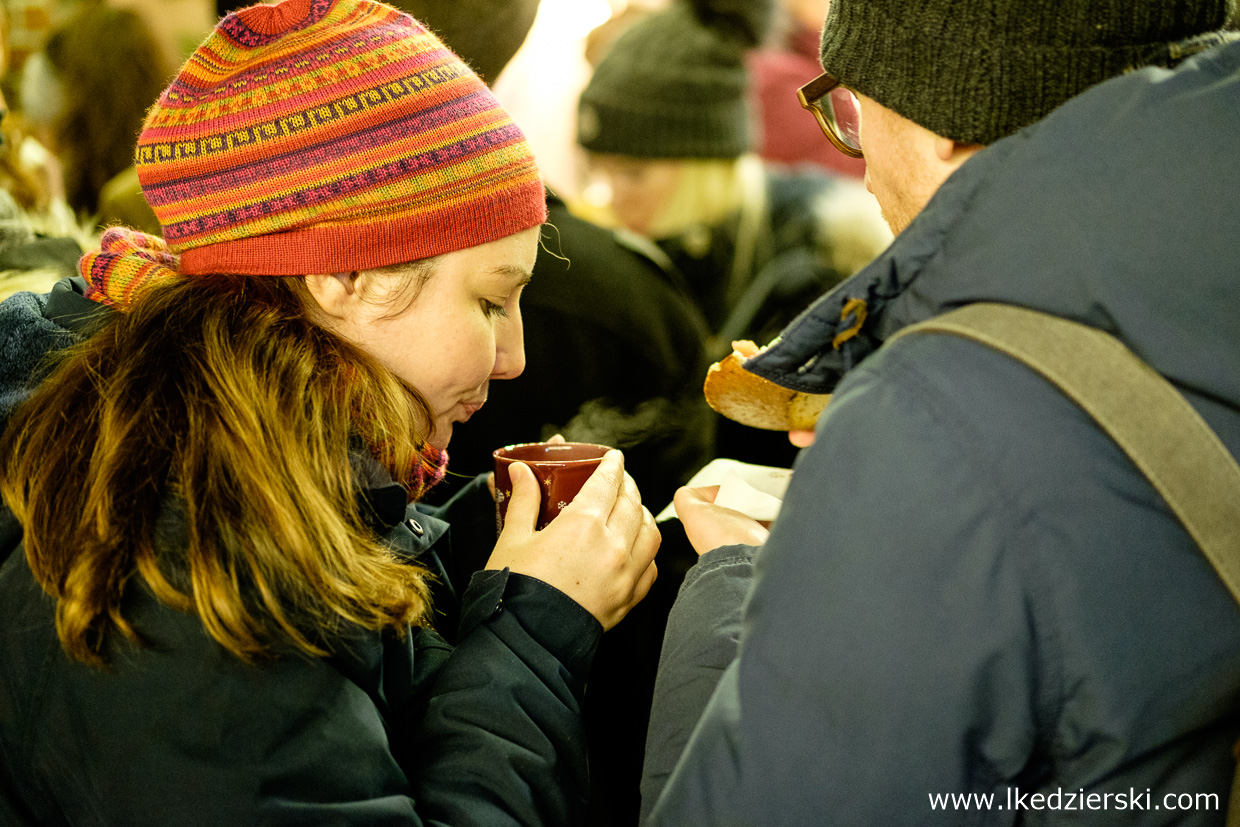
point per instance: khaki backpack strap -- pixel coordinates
(1141, 411)
(1157, 428)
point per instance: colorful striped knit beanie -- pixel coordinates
(325, 136)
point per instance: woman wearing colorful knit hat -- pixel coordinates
(218, 606)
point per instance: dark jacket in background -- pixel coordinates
(22, 249)
(388, 730)
(970, 588)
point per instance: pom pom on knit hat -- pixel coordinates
(976, 71)
(675, 84)
(324, 136)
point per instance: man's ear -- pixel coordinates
(954, 153)
(335, 293)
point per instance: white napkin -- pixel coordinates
(755, 490)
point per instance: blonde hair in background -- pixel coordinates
(220, 396)
(710, 191)
(851, 228)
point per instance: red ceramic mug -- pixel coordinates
(561, 468)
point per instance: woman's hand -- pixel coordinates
(709, 526)
(599, 550)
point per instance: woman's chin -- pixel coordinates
(440, 437)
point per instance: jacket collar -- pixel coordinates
(854, 319)
(386, 509)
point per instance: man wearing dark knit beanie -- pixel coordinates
(989, 69)
(973, 607)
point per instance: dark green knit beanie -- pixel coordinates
(675, 86)
(978, 70)
(484, 33)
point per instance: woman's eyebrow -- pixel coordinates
(513, 271)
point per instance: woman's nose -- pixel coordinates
(509, 348)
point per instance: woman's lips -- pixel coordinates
(468, 409)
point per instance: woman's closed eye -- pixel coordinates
(492, 309)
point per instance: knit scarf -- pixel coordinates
(128, 262)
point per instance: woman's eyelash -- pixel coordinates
(493, 309)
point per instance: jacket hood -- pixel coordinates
(1119, 210)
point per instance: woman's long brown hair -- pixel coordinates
(220, 396)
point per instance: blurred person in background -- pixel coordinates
(668, 122)
(778, 69)
(31, 260)
(26, 189)
(84, 95)
(37, 249)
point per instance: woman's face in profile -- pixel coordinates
(462, 329)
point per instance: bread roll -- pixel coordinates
(751, 400)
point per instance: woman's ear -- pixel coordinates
(335, 293)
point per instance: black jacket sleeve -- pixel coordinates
(411, 733)
(502, 741)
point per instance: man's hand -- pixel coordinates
(709, 526)
(801, 439)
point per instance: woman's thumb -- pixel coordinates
(525, 501)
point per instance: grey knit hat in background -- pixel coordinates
(675, 86)
(978, 70)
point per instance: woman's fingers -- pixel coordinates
(598, 496)
(627, 512)
(599, 550)
(523, 504)
(637, 569)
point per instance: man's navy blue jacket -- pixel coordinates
(970, 588)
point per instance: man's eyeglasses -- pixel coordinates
(837, 112)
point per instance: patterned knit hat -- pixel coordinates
(675, 84)
(976, 71)
(324, 136)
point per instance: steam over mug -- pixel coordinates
(561, 470)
